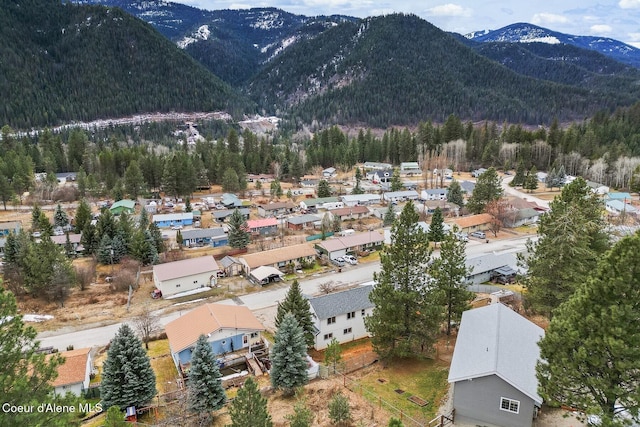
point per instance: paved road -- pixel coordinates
(525, 196)
(101, 335)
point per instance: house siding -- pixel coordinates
(186, 283)
(477, 401)
(356, 324)
(222, 341)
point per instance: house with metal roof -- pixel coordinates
(619, 207)
(321, 203)
(485, 267)
(205, 237)
(228, 328)
(360, 199)
(400, 196)
(222, 214)
(230, 265)
(173, 219)
(265, 275)
(329, 172)
(493, 370)
(341, 315)
(377, 166)
(185, 275)
(300, 222)
(124, 205)
(230, 200)
(263, 226)
(274, 209)
(410, 168)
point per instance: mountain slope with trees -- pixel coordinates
(64, 62)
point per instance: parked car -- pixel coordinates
(351, 259)
(157, 293)
(339, 262)
(463, 237)
(479, 234)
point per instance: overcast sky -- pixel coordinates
(618, 19)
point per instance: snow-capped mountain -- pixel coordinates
(529, 33)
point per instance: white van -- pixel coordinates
(347, 232)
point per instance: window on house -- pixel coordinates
(509, 405)
(178, 285)
(254, 334)
(363, 312)
(331, 320)
(245, 339)
(328, 336)
(351, 315)
(223, 342)
(347, 331)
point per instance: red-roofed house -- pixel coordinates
(228, 328)
(74, 374)
(265, 227)
(185, 275)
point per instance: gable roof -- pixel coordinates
(345, 242)
(74, 368)
(353, 210)
(259, 223)
(185, 268)
(283, 254)
(276, 206)
(223, 213)
(473, 220)
(619, 196)
(263, 272)
(319, 201)
(303, 219)
(228, 261)
(208, 318)
(62, 240)
(125, 203)
(342, 302)
(495, 340)
(200, 233)
(180, 216)
(489, 262)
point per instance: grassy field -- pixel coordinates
(424, 379)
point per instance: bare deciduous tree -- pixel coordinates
(86, 274)
(327, 287)
(146, 323)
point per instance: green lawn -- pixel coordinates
(426, 379)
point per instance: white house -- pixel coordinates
(434, 194)
(377, 166)
(341, 315)
(74, 374)
(185, 275)
(400, 196)
(378, 176)
(599, 189)
(619, 207)
(329, 173)
(410, 168)
(485, 267)
(228, 328)
(493, 369)
(360, 199)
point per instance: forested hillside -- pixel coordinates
(400, 69)
(64, 62)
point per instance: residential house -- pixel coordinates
(228, 328)
(434, 194)
(542, 176)
(521, 217)
(476, 173)
(622, 196)
(205, 237)
(493, 370)
(185, 275)
(400, 196)
(263, 178)
(74, 375)
(469, 224)
(230, 200)
(300, 222)
(446, 207)
(264, 226)
(485, 268)
(231, 266)
(360, 199)
(223, 214)
(74, 240)
(65, 177)
(410, 169)
(619, 207)
(309, 183)
(351, 213)
(173, 219)
(279, 258)
(467, 186)
(265, 275)
(341, 315)
(124, 205)
(6, 227)
(321, 203)
(339, 246)
(151, 207)
(596, 187)
(329, 173)
(275, 209)
(379, 176)
(377, 166)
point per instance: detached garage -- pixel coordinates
(185, 275)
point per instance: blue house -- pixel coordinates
(10, 226)
(228, 328)
(170, 220)
(204, 237)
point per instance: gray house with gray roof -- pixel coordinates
(493, 370)
(204, 237)
(341, 315)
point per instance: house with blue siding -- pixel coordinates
(205, 237)
(228, 328)
(10, 226)
(173, 219)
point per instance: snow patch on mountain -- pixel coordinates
(268, 21)
(201, 33)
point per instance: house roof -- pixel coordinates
(354, 210)
(342, 302)
(620, 206)
(180, 216)
(319, 201)
(61, 240)
(74, 368)
(185, 268)
(263, 272)
(228, 261)
(490, 262)
(406, 193)
(329, 170)
(360, 197)
(277, 205)
(377, 165)
(467, 186)
(619, 196)
(223, 213)
(206, 319)
(274, 256)
(436, 191)
(124, 203)
(259, 223)
(10, 225)
(357, 239)
(201, 233)
(303, 219)
(527, 213)
(495, 340)
(473, 220)
(405, 165)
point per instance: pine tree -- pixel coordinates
(449, 273)
(339, 410)
(60, 217)
(436, 228)
(134, 180)
(396, 182)
(333, 354)
(357, 189)
(590, 354)
(389, 216)
(115, 418)
(127, 377)
(531, 181)
(83, 216)
(105, 251)
(239, 237)
(295, 303)
(454, 193)
(288, 356)
(405, 318)
(205, 392)
(520, 176)
(249, 408)
(487, 189)
(323, 189)
(6, 191)
(302, 415)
